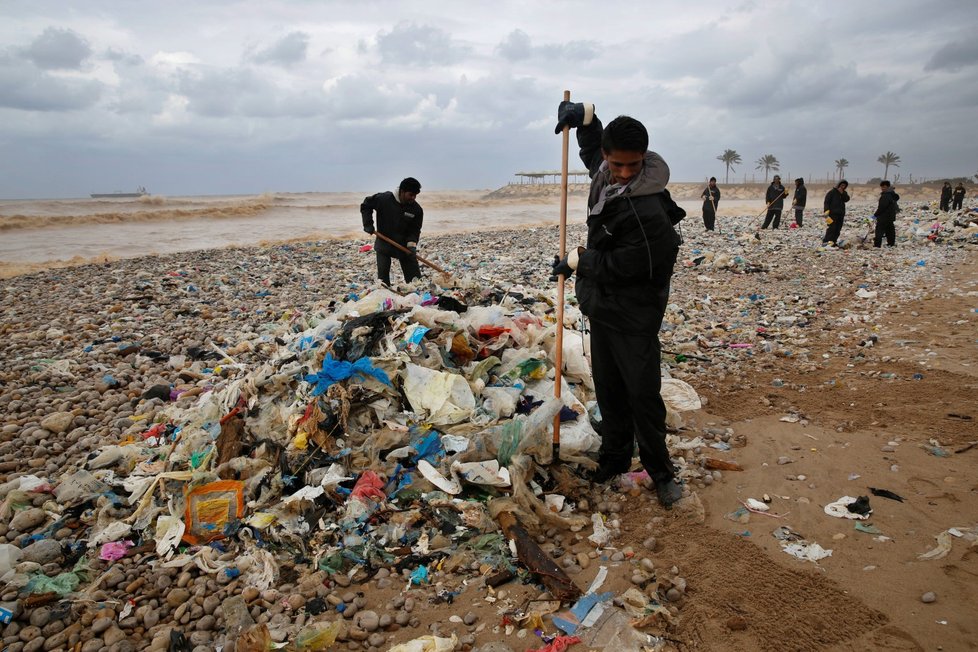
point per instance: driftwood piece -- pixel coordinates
(536, 560)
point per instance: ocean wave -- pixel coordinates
(249, 208)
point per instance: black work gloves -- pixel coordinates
(561, 268)
(369, 230)
(573, 115)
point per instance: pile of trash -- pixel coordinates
(395, 436)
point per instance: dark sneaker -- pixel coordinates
(669, 492)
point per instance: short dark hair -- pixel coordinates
(842, 181)
(625, 134)
(410, 184)
(713, 178)
(885, 183)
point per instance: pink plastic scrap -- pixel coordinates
(369, 485)
(114, 550)
(366, 248)
(559, 644)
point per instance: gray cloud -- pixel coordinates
(362, 97)
(123, 58)
(955, 55)
(58, 49)
(31, 89)
(517, 46)
(221, 93)
(463, 101)
(418, 45)
(289, 49)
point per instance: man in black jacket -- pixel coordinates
(886, 216)
(957, 201)
(711, 199)
(623, 278)
(835, 211)
(946, 196)
(799, 199)
(399, 217)
(774, 197)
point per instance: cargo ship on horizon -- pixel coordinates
(140, 191)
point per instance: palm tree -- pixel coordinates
(887, 160)
(768, 162)
(730, 158)
(840, 165)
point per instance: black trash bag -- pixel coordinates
(178, 642)
(861, 506)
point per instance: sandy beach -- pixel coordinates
(822, 374)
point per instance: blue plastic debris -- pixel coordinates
(420, 575)
(334, 371)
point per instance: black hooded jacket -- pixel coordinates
(624, 273)
(887, 209)
(399, 222)
(775, 196)
(835, 202)
(801, 196)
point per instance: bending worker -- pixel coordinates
(399, 217)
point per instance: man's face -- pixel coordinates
(407, 196)
(624, 165)
(713, 184)
(777, 180)
(843, 186)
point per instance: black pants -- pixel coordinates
(772, 214)
(627, 383)
(799, 215)
(835, 229)
(887, 228)
(945, 205)
(709, 216)
(409, 265)
(956, 204)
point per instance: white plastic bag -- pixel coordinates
(441, 398)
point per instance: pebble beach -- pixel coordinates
(767, 327)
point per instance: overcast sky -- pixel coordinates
(213, 97)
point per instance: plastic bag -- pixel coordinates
(169, 532)
(427, 644)
(114, 550)
(9, 558)
(256, 638)
(315, 639)
(210, 508)
(441, 398)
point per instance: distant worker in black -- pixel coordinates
(798, 200)
(946, 193)
(399, 217)
(958, 199)
(885, 215)
(775, 203)
(835, 211)
(711, 198)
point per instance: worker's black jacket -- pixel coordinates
(775, 196)
(801, 196)
(623, 275)
(399, 222)
(887, 209)
(835, 202)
